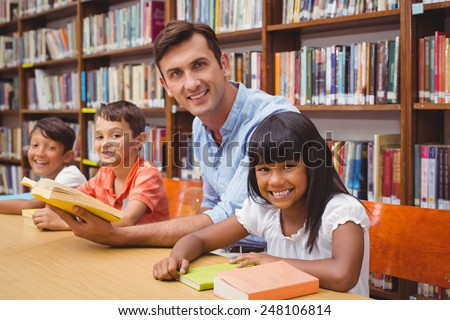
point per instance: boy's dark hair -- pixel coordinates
(178, 31)
(291, 136)
(118, 110)
(57, 130)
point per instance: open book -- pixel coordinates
(65, 198)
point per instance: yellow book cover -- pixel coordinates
(202, 278)
(65, 198)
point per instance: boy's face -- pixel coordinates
(114, 143)
(46, 156)
(193, 76)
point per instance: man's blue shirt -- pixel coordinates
(224, 167)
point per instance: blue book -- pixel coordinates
(83, 86)
(18, 196)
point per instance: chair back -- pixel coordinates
(185, 196)
(410, 243)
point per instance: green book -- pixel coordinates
(202, 278)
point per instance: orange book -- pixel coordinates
(271, 281)
(277, 73)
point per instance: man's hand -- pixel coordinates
(167, 269)
(88, 226)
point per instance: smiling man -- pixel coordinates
(194, 72)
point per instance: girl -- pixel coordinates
(298, 204)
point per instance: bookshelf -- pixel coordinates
(417, 122)
(126, 44)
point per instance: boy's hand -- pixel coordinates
(167, 269)
(253, 258)
(47, 219)
(88, 226)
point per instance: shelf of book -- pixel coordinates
(336, 23)
(378, 107)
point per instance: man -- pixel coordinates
(194, 71)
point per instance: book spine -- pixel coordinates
(417, 174)
(387, 176)
(432, 177)
(396, 176)
(424, 177)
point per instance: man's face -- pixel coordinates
(193, 76)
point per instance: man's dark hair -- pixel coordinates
(178, 31)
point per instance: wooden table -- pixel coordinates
(45, 265)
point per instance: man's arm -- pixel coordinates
(158, 234)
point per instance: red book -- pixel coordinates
(396, 176)
(387, 175)
(156, 18)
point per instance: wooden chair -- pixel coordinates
(410, 243)
(185, 197)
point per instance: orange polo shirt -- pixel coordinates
(144, 183)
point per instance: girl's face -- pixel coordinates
(114, 143)
(46, 156)
(283, 184)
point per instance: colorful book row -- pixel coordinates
(29, 7)
(358, 74)
(138, 83)
(303, 10)
(433, 68)
(120, 28)
(222, 16)
(431, 176)
(53, 92)
(370, 170)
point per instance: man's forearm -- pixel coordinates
(159, 234)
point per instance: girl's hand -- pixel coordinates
(167, 269)
(253, 258)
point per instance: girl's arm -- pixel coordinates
(340, 272)
(195, 244)
(15, 206)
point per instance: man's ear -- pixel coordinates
(225, 61)
(68, 156)
(164, 84)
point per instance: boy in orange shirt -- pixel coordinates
(124, 180)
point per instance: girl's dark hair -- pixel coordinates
(291, 136)
(177, 31)
(129, 112)
(57, 130)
